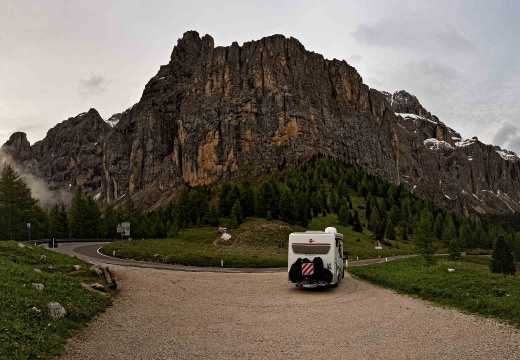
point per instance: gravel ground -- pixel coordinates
(163, 314)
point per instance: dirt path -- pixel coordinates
(163, 314)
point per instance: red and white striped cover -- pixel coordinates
(307, 269)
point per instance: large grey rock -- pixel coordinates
(56, 310)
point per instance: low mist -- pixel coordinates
(40, 189)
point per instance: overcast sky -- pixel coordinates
(460, 58)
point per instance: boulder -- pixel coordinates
(56, 310)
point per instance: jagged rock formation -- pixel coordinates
(218, 112)
(68, 156)
(18, 146)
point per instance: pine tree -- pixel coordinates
(438, 227)
(466, 235)
(77, 214)
(109, 222)
(158, 229)
(390, 230)
(356, 223)
(343, 215)
(449, 232)
(247, 198)
(424, 239)
(17, 207)
(454, 249)
(58, 226)
(287, 206)
(502, 261)
(224, 206)
(236, 212)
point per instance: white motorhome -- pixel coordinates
(316, 258)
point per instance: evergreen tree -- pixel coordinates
(438, 227)
(502, 261)
(343, 215)
(224, 206)
(109, 222)
(58, 226)
(92, 219)
(424, 239)
(394, 214)
(17, 207)
(158, 229)
(356, 223)
(236, 212)
(449, 232)
(466, 235)
(287, 206)
(454, 249)
(368, 207)
(77, 216)
(212, 216)
(390, 230)
(247, 198)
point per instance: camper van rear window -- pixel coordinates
(305, 248)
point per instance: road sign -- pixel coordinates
(119, 228)
(28, 225)
(125, 229)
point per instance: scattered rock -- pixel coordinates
(57, 311)
(36, 309)
(50, 267)
(77, 267)
(21, 245)
(222, 230)
(226, 237)
(97, 286)
(37, 270)
(451, 270)
(39, 287)
(29, 247)
(43, 257)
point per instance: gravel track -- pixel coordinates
(162, 314)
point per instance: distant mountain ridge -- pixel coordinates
(237, 111)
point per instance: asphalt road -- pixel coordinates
(89, 252)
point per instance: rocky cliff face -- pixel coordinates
(69, 156)
(217, 112)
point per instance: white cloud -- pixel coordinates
(93, 84)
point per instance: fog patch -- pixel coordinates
(40, 189)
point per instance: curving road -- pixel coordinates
(90, 252)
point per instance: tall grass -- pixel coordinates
(26, 333)
(472, 287)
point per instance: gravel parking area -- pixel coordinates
(163, 314)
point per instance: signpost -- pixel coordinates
(378, 247)
(125, 229)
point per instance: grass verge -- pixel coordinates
(471, 288)
(255, 244)
(27, 333)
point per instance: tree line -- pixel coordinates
(320, 187)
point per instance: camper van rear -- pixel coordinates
(315, 258)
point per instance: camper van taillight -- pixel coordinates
(314, 248)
